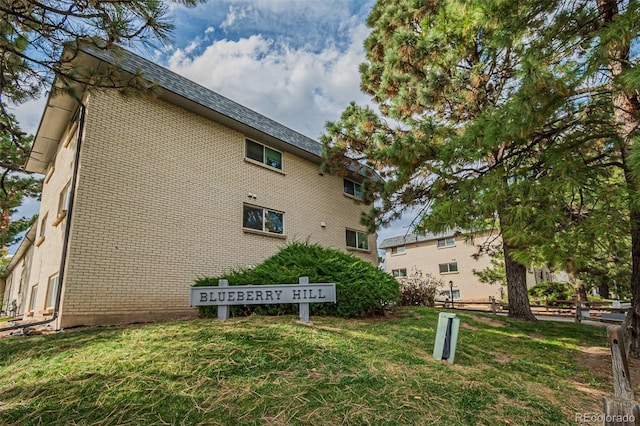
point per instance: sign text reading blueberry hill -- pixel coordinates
(263, 294)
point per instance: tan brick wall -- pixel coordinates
(159, 204)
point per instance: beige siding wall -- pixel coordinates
(426, 256)
(15, 289)
(50, 226)
(159, 204)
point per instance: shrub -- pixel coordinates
(361, 288)
(419, 289)
(552, 291)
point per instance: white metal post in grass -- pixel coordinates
(446, 337)
(304, 307)
(223, 310)
(224, 296)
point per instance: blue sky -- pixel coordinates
(295, 61)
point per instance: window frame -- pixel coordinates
(263, 161)
(398, 250)
(446, 293)
(33, 298)
(63, 203)
(398, 273)
(360, 237)
(42, 232)
(43, 226)
(446, 242)
(264, 229)
(49, 300)
(448, 265)
(355, 185)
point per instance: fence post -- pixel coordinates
(578, 311)
(304, 307)
(223, 311)
(622, 408)
(493, 305)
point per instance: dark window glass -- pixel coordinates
(273, 158)
(351, 239)
(252, 218)
(255, 151)
(352, 188)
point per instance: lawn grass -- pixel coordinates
(274, 370)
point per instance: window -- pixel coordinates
(447, 294)
(358, 240)
(43, 230)
(52, 290)
(63, 204)
(448, 267)
(397, 250)
(263, 220)
(263, 154)
(34, 296)
(352, 188)
(446, 242)
(399, 272)
(63, 200)
(43, 226)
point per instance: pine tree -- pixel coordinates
(445, 73)
(15, 185)
(495, 115)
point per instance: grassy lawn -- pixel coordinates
(273, 370)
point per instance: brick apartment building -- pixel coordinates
(453, 256)
(142, 195)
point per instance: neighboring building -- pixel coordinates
(143, 195)
(452, 257)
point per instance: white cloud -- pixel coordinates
(29, 113)
(299, 88)
(234, 14)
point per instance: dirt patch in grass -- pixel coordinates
(500, 357)
(489, 321)
(468, 326)
(596, 359)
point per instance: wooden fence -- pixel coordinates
(621, 409)
(579, 311)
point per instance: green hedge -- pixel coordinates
(361, 289)
(552, 291)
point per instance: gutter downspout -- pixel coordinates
(67, 227)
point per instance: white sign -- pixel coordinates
(263, 294)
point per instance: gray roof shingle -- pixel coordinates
(402, 240)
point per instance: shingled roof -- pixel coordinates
(402, 240)
(185, 93)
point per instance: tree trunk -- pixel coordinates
(517, 287)
(626, 106)
(635, 284)
(603, 288)
(581, 293)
